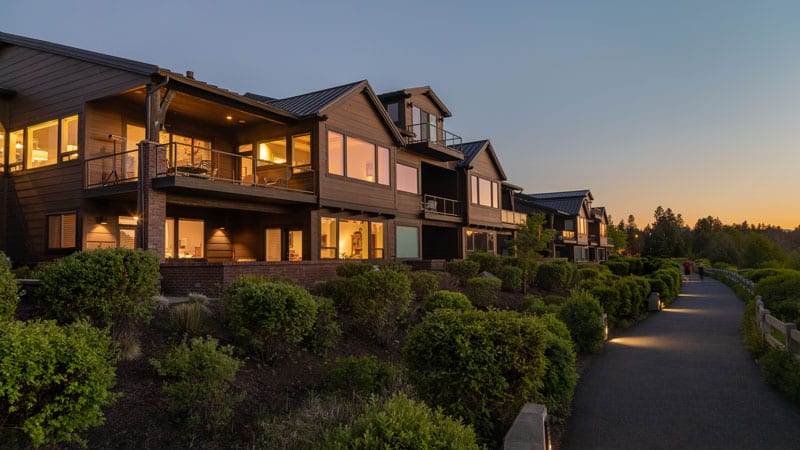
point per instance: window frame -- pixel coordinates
(381, 173)
(370, 249)
(397, 177)
(397, 235)
(60, 244)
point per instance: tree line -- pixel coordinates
(741, 245)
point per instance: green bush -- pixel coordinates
(609, 298)
(638, 289)
(560, 376)
(189, 318)
(199, 385)
(401, 423)
(781, 295)
(423, 283)
(636, 265)
(269, 317)
(670, 283)
(476, 365)
(618, 267)
(448, 299)
(9, 291)
(326, 332)
(483, 292)
(360, 374)
(782, 371)
(487, 262)
(511, 278)
(463, 270)
(378, 301)
(583, 315)
(754, 342)
(537, 306)
(352, 269)
(53, 381)
(109, 287)
(553, 275)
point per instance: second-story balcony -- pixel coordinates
(513, 217)
(196, 168)
(565, 236)
(435, 141)
(441, 208)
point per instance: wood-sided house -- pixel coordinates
(100, 151)
(580, 229)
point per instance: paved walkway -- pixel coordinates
(681, 379)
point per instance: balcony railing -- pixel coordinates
(441, 205)
(429, 132)
(112, 169)
(565, 235)
(175, 159)
(516, 218)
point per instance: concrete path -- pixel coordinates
(681, 380)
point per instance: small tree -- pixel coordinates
(531, 239)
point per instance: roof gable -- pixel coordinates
(472, 149)
(569, 202)
(422, 90)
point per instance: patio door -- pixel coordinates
(283, 244)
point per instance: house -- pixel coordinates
(580, 229)
(100, 151)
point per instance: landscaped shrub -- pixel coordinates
(782, 371)
(199, 385)
(618, 267)
(352, 269)
(53, 381)
(487, 262)
(670, 283)
(781, 295)
(609, 299)
(636, 265)
(326, 332)
(109, 287)
(639, 289)
(379, 301)
(401, 423)
(360, 374)
(560, 375)
(553, 275)
(448, 299)
(423, 283)
(537, 306)
(463, 270)
(9, 291)
(753, 340)
(583, 315)
(511, 278)
(476, 365)
(269, 317)
(482, 291)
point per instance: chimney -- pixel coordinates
(190, 74)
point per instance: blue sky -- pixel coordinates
(689, 105)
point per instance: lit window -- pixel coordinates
(272, 151)
(15, 146)
(473, 180)
(301, 150)
(69, 138)
(61, 230)
(327, 244)
(484, 192)
(407, 242)
(383, 165)
(2, 149)
(273, 243)
(335, 153)
(295, 245)
(480, 241)
(407, 179)
(352, 235)
(127, 238)
(42, 144)
(376, 240)
(186, 240)
(360, 159)
(495, 195)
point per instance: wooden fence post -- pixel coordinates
(791, 344)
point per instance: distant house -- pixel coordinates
(580, 229)
(100, 151)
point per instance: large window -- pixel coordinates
(69, 138)
(407, 242)
(186, 240)
(423, 124)
(480, 241)
(394, 111)
(407, 178)
(582, 226)
(272, 151)
(42, 144)
(273, 244)
(484, 192)
(61, 230)
(301, 150)
(350, 239)
(15, 148)
(359, 159)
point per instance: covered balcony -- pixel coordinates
(435, 142)
(440, 194)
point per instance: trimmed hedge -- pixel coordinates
(511, 278)
(448, 299)
(487, 262)
(618, 267)
(423, 283)
(360, 374)
(560, 376)
(463, 270)
(53, 381)
(483, 292)
(476, 365)
(583, 315)
(781, 295)
(401, 423)
(554, 275)
(112, 288)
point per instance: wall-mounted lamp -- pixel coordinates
(101, 220)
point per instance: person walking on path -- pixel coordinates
(687, 268)
(681, 379)
(701, 271)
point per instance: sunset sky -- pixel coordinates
(691, 105)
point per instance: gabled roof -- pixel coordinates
(472, 149)
(127, 65)
(599, 212)
(424, 90)
(317, 103)
(569, 202)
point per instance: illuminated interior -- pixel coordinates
(272, 151)
(42, 144)
(188, 237)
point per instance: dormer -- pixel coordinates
(420, 114)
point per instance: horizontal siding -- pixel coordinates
(357, 117)
(483, 166)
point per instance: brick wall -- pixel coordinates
(180, 278)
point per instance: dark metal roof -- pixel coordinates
(564, 194)
(470, 151)
(424, 90)
(313, 102)
(128, 65)
(258, 97)
(569, 202)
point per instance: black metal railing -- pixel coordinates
(441, 205)
(430, 132)
(112, 169)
